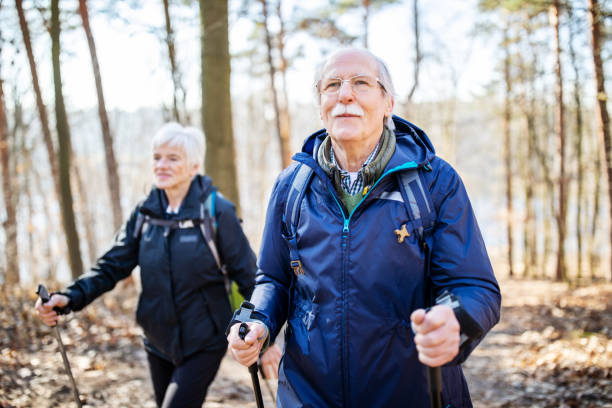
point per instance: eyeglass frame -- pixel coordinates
(342, 81)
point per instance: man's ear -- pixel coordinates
(389, 106)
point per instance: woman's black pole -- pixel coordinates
(242, 332)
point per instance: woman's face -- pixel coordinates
(170, 168)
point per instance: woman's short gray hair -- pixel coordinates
(383, 75)
(190, 139)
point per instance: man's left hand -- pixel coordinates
(436, 335)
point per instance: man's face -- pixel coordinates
(354, 113)
(170, 167)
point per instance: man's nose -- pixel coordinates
(345, 93)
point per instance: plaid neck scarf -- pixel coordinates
(352, 183)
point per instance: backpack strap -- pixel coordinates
(210, 211)
(207, 223)
(291, 215)
(208, 226)
(421, 210)
(418, 201)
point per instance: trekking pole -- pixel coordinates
(242, 332)
(434, 378)
(268, 386)
(44, 297)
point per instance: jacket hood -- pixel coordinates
(412, 144)
(156, 202)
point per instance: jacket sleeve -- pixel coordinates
(274, 276)
(234, 248)
(459, 259)
(116, 264)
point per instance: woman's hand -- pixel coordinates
(270, 361)
(45, 310)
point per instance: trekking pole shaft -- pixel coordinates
(434, 377)
(75, 391)
(267, 383)
(256, 386)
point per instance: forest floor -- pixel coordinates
(552, 348)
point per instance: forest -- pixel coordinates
(512, 93)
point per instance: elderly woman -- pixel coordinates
(183, 307)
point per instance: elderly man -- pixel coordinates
(362, 234)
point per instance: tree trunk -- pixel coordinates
(179, 94)
(285, 117)
(283, 140)
(40, 106)
(578, 143)
(63, 135)
(531, 174)
(561, 218)
(46, 230)
(366, 19)
(418, 56)
(602, 98)
(88, 221)
(508, 151)
(594, 257)
(548, 193)
(111, 162)
(217, 115)
(11, 276)
(33, 258)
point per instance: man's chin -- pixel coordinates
(345, 133)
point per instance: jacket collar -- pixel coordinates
(156, 202)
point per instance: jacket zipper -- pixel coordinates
(345, 237)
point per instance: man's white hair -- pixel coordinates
(189, 139)
(383, 75)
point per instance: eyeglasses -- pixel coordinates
(360, 84)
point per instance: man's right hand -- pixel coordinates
(247, 351)
(45, 310)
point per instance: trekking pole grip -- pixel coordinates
(242, 332)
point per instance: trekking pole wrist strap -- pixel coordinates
(245, 314)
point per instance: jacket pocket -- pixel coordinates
(302, 322)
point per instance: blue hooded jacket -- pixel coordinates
(348, 341)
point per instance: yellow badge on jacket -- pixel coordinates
(401, 233)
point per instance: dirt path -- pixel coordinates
(552, 348)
